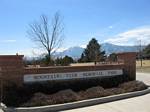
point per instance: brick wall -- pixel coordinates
(129, 59)
(11, 68)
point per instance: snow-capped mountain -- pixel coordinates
(76, 52)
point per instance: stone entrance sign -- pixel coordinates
(14, 72)
(70, 75)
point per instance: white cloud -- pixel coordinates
(110, 27)
(31, 52)
(131, 36)
(8, 41)
(34, 52)
(83, 46)
(61, 49)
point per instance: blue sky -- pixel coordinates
(121, 22)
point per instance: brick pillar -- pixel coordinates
(129, 59)
(12, 69)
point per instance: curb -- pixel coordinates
(78, 104)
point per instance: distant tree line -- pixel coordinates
(146, 52)
(62, 61)
(92, 53)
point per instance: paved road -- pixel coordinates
(145, 77)
(136, 104)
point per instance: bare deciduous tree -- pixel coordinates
(48, 35)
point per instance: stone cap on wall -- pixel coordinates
(3, 57)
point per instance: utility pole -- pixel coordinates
(141, 53)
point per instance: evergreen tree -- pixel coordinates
(67, 60)
(58, 61)
(92, 52)
(112, 57)
(146, 51)
(82, 59)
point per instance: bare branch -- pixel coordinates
(41, 33)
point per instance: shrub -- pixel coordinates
(92, 92)
(39, 95)
(113, 91)
(38, 99)
(63, 96)
(133, 86)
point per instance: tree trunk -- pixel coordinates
(49, 57)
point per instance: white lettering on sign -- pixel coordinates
(71, 75)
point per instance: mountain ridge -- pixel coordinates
(109, 48)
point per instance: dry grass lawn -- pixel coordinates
(144, 63)
(145, 66)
